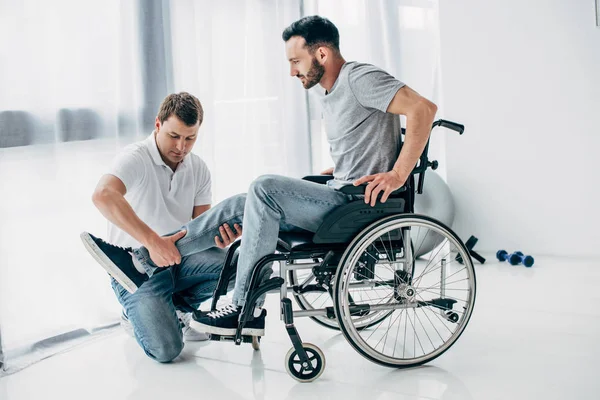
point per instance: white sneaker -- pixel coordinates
(189, 333)
(126, 324)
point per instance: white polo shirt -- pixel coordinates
(163, 199)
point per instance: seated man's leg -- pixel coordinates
(201, 231)
(197, 276)
(272, 202)
(151, 312)
(276, 201)
(124, 264)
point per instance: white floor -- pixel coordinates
(535, 334)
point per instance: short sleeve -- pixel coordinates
(129, 167)
(373, 87)
(203, 185)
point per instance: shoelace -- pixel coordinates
(127, 249)
(223, 312)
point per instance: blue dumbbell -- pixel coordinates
(513, 259)
(526, 260)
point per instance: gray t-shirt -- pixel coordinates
(363, 138)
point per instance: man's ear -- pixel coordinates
(322, 54)
(157, 124)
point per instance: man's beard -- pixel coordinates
(314, 74)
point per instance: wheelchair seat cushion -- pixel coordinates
(303, 241)
(294, 240)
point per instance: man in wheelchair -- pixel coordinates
(361, 109)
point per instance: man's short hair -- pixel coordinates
(316, 30)
(184, 106)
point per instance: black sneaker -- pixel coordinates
(117, 261)
(224, 321)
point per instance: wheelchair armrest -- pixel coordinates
(360, 189)
(322, 179)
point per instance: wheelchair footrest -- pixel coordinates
(231, 338)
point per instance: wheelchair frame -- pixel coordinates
(326, 245)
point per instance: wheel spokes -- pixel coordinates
(429, 303)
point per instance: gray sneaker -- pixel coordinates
(189, 333)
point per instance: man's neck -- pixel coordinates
(165, 159)
(330, 76)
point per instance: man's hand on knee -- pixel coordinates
(163, 251)
(228, 236)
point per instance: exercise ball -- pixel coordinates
(435, 202)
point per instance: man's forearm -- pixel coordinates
(418, 128)
(117, 210)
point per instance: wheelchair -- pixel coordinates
(364, 273)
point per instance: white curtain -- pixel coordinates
(69, 99)
(80, 80)
(231, 54)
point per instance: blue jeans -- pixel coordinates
(151, 309)
(273, 203)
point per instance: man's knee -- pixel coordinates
(166, 351)
(157, 328)
(239, 200)
(265, 182)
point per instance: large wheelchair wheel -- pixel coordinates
(318, 299)
(429, 299)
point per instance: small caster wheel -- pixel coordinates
(256, 342)
(452, 316)
(294, 366)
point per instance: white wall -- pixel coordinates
(524, 78)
